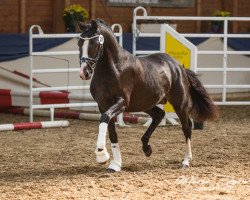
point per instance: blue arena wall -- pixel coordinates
(13, 46)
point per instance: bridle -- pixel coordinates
(92, 61)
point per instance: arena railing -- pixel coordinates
(225, 52)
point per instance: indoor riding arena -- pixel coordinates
(60, 163)
(55, 140)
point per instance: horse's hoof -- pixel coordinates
(183, 166)
(103, 163)
(147, 150)
(114, 166)
(102, 156)
(109, 170)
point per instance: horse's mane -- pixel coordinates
(106, 27)
(102, 22)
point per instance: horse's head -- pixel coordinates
(91, 48)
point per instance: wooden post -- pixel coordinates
(22, 16)
(67, 3)
(58, 9)
(148, 8)
(92, 9)
(235, 14)
(223, 5)
(198, 13)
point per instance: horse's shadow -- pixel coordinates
(87, 170)
(46, 173)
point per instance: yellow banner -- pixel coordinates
(181, 53)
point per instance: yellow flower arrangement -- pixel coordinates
(221, 13)
(72, 14)
(217, 26)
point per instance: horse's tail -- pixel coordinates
(203, 107)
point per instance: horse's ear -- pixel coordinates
(94, 25)
(81, 26)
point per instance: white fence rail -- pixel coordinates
(225, 52)
(33, 71)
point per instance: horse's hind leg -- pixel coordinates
(187, 130)
(157, 115)
(116, 163)
(186, 123)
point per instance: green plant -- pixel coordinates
(72, 14)
(217, 26)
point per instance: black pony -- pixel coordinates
(122, 82)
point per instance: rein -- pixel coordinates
(92, 61)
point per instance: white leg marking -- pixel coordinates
(188, 154)
(116, 163)
(101, 141)
(102, 156)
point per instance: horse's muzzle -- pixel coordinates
(85, 72)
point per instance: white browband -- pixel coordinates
(100, 38)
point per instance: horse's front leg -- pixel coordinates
(115, 164)
(102, 155)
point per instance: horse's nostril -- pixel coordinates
(87, 74)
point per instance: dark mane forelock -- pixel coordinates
(102, 22)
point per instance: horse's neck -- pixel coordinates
(112, 54)
(112, 51)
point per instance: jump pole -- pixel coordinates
(127, 117)
(13, 97)
(33, 125)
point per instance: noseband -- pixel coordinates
(92, 61)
